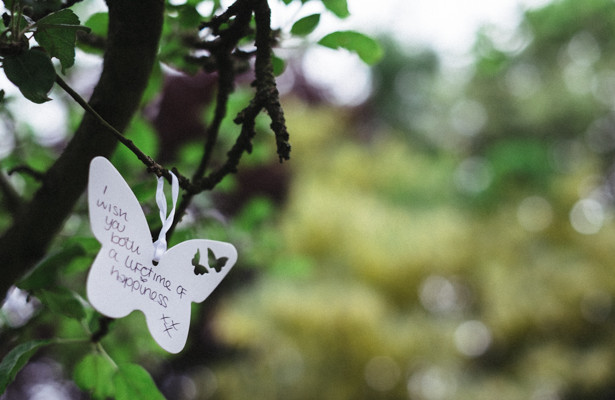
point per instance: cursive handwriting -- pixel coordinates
(125, 242)
(112, 223)
(135, 285)
(112, 209)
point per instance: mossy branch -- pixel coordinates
(223, 49)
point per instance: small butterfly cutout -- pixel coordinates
(216, 263)
(198, 268)
(212, 262)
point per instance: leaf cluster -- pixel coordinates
(99, 376)
(96, 372)
(367, 48)
(31, 69)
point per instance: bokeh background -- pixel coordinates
(444, 229)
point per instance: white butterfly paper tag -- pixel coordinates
(124, 278)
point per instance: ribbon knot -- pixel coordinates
(160, 245)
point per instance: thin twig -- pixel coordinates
(103, 329)
(215, 23)
(149, 162)
(24, 169)
(222, 50)
(266, 97)
(106, 355)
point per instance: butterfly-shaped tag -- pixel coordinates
(124, 278)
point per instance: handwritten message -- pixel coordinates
(124, 278)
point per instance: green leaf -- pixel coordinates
(78, 265)
(188, 16)
(63, 301)
(16, 359)
(32, 72)
(133, 382)
(45, 274)
(367, 49)
(305, 25)
(98, 24)
(94, 374)
(90, 245)
(337, 7)
(154, 85)
(57, 33)
(278, 65)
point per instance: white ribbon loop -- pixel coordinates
(160, 245)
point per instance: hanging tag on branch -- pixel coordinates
(131, 272)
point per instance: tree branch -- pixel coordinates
(148, 161)
(27, 170)
(221, 50)
(265, 79)
(134, 33)
(266, 96)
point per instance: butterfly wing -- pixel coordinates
(118, 223)
(169, 322)
(217, 263)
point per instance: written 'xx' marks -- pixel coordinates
(212, 262)
(169, 325)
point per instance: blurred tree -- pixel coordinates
(544, 91)
(398, 289)
(404, 88)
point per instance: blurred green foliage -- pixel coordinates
(413, 293)
(466, 250)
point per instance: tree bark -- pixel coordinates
(134, 33)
